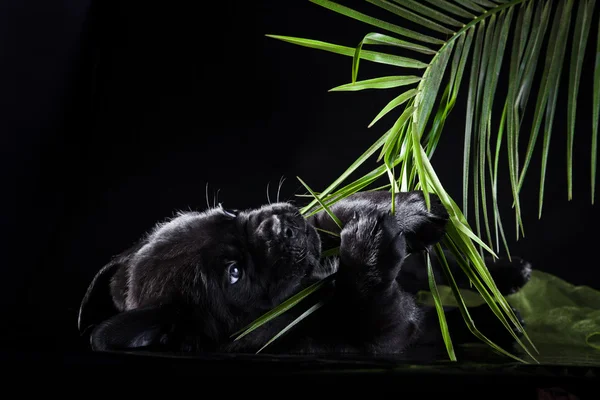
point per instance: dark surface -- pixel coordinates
(347, 374)
(116, 113)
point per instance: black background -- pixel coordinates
(116, 114)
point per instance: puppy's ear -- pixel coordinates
(100, 300)
(140, 328)
(422, 227)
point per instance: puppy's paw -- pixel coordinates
(510, 276)
(367, 237)
(423, 226)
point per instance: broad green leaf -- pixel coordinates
(292, 324)
(595, 115)
(283, 307)
(385, 82)
(373, 56)
(430, 12)
(411, 16)
(402, 98)
(440, 311)
(580, 36)
(454, 9)
(327, 210)
(376, 22)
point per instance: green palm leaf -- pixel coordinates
(522, 40)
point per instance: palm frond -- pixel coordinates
(521, 40)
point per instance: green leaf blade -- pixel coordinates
(331, 214)
(373, 56)
(580, 36)
(431, 12)
(385, 82)
(283, 307)
(554, 76)
(439, 307)
(376, 22)
(452, 8)
(397, 101)
(386, 40)
(429, 87)
(471, 114)
(292, 324)
(595, 116)
(411, 16)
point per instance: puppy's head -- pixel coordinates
(203, 275)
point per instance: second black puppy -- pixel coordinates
(195, 280)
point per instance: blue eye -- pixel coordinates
(235, 273)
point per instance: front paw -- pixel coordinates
(370, 239)
(423, 226)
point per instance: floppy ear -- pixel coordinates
(422, 227)
(144, 327)
(100, 300)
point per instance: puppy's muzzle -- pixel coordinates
(285, 227)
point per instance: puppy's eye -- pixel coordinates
(234, 272)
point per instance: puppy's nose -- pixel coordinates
(284, 225)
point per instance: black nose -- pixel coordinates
(289, 232)
(286, 226)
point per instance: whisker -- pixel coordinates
(279, 188)
(268, 197)
(207, 202)
(216, 198)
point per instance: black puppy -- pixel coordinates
(197, 279)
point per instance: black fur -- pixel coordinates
(173, 291)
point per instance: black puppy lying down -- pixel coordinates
(197, 279)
